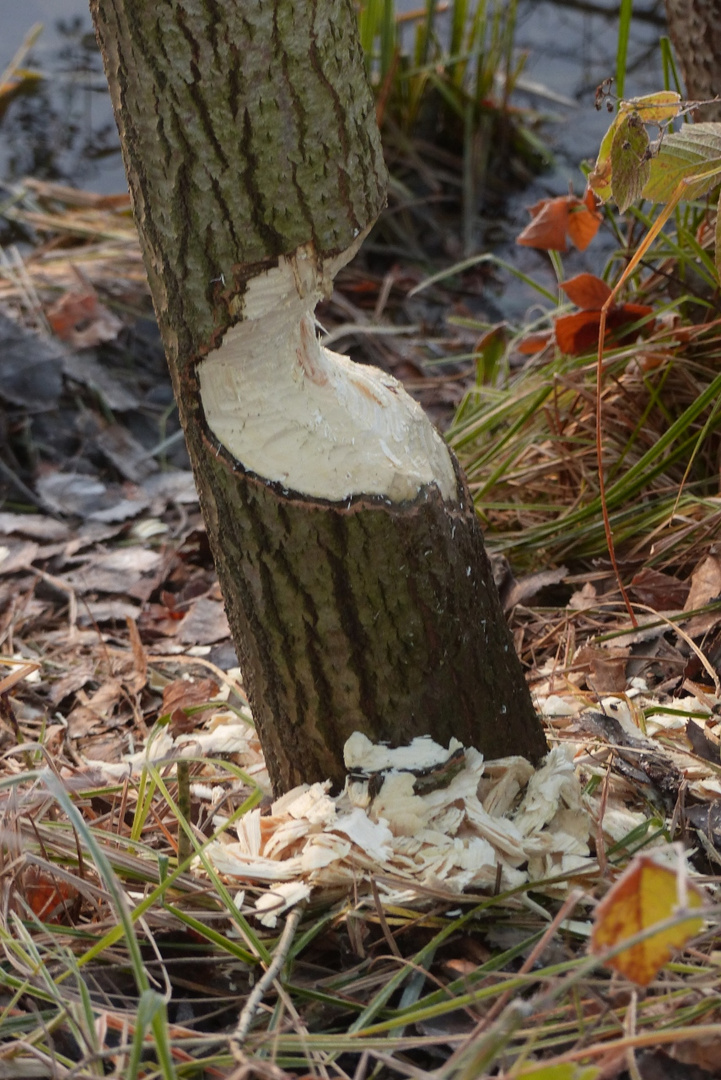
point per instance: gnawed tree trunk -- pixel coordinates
(349, 554)
(694, 27)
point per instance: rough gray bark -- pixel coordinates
(694, 27)
(248, 132)
(381, 621)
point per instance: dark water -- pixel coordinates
(572, 49)
(64, 129)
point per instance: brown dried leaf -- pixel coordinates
(528, 587)
(204, 624)
(702, 1053)
(705, 587)
(184, 694)
(606, 668)
(94, 713)
(17, 556)
(659, 591)
(126, 571)
(703, 746)
(139, 677)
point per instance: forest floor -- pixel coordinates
(117, 662)
(160, 913)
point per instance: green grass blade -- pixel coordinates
(624, 34)
(120, 903)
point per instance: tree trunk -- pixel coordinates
(694, 27)
(349, 554)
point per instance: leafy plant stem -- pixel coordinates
(635, 260)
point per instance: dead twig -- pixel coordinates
(247, 1013)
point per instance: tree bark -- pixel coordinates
(694, 27)
(348, 550)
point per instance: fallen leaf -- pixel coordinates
(79, 318)
(205, 623)
(703, 746)
(701, 1053)
(130, 572)
(606, 668)
(183, 695)
(705, 583)
(555, 221)
(584, 598)
(14, 557)
(528, 587)
(123, 451)
(705, 588)
(30, 367)
(48, 897)
(647, 893)
(94, 713)
(88, 497)
(85, 368)
(662, 592)
(36, 526)
(106, 611)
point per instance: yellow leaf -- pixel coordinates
(654, 108)
(564, 1071)
(651, 109)
(600, 179)
(646, 893)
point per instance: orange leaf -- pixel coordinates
(630, 313)
(556, 219)
(592, 203)
(549, 226)
(533, 343)
(47, 896)
(584, 221)
(647, 893)
(577, 333)
(619, 317)
(71, 309)
(79, 318)
(586, 291)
